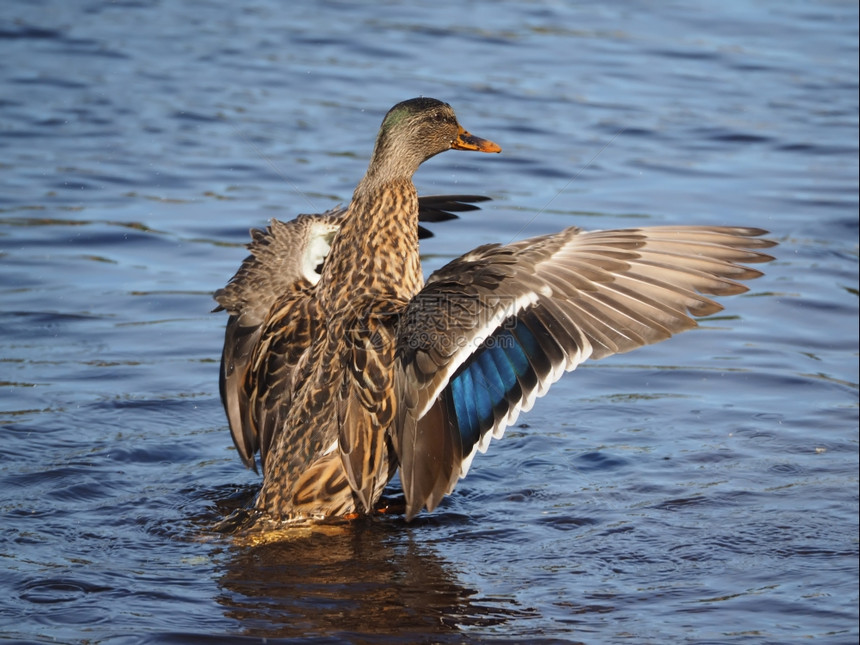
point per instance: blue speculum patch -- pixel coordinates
(489, 376)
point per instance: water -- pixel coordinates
(701, 490)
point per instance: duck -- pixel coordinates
(342, 366)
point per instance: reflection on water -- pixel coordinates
(345, 581)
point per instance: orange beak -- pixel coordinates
(466, 141)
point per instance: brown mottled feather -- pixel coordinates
(272, 318)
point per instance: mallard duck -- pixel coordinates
(341, 365)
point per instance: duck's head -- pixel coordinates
(417, 129)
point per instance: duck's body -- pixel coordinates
(276, 324)
(341, 380)
(346, 397)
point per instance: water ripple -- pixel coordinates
(704, 489)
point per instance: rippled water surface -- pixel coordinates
(701, 490)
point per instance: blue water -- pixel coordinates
(701, 490)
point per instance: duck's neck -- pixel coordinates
(374, 258)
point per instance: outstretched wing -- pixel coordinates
(492, 330)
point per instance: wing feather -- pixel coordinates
(492, 330)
